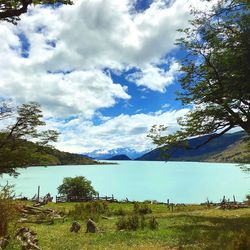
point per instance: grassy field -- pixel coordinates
(186, 227)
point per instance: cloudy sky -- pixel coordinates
(104, 71)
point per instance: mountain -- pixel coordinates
(132, 154)
(65, 158)
(204, 153)
(119, 158)
(238, 152)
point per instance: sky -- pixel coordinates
(104, 71)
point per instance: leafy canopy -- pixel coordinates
(215, 71)
(77, 186)
(16, 150)
(10, 10)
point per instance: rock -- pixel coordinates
(91, 226)
(75, 227)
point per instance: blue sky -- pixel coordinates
(103, 71)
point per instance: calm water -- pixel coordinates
(182, 182)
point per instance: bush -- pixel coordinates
(130, 223)
(77, 186)
(90, 210)
(142, 222)
(121, 224)
(248, 198)
(7, 209)
(119, 212)
(142, 209)
(153, 224)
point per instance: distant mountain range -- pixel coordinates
(130, 153)
(229, 147)
(220, 149)
(119, 158)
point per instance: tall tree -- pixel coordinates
(15, 148)
(215, 71)
(11, 10)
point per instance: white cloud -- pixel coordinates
(86, 37)
(123, 131)
(83, 40)
(154, 77)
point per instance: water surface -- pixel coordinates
(180, 182)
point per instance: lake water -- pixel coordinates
(180, 182)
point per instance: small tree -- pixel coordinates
(77, 186)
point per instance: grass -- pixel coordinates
(187, 227)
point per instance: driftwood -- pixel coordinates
(38, 215)
(27, 238)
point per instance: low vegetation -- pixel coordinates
(120, 226)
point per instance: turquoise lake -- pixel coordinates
(180, 182)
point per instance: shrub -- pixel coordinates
(133, 223)
(121, 224)
(130, 223)
(119, 212)
(142, 222)
(153, 224)
(77, 186)
(7, 209)
(91, 210)
(142, 209)
(248, 198)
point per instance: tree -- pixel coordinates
(6, 109)
(215, 71)
(77, 186)
(10, 10)
(16, 150)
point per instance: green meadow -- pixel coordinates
(186, 227)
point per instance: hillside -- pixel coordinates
(237, 152)
(119, 158)
(24, 153)
(219, 148)
(65, 158)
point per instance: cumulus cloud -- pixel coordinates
(123, 131)
(154, 77)
(83, 40)
(59, 57)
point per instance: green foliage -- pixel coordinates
(77, 186)
(130, 223)
(119, 212)
(142, 209)
(215, 72)
(15, 148)
(10, 10)
(90, 210)
(135, 222)
(153, 223)
(121, 223)
(7, 208)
